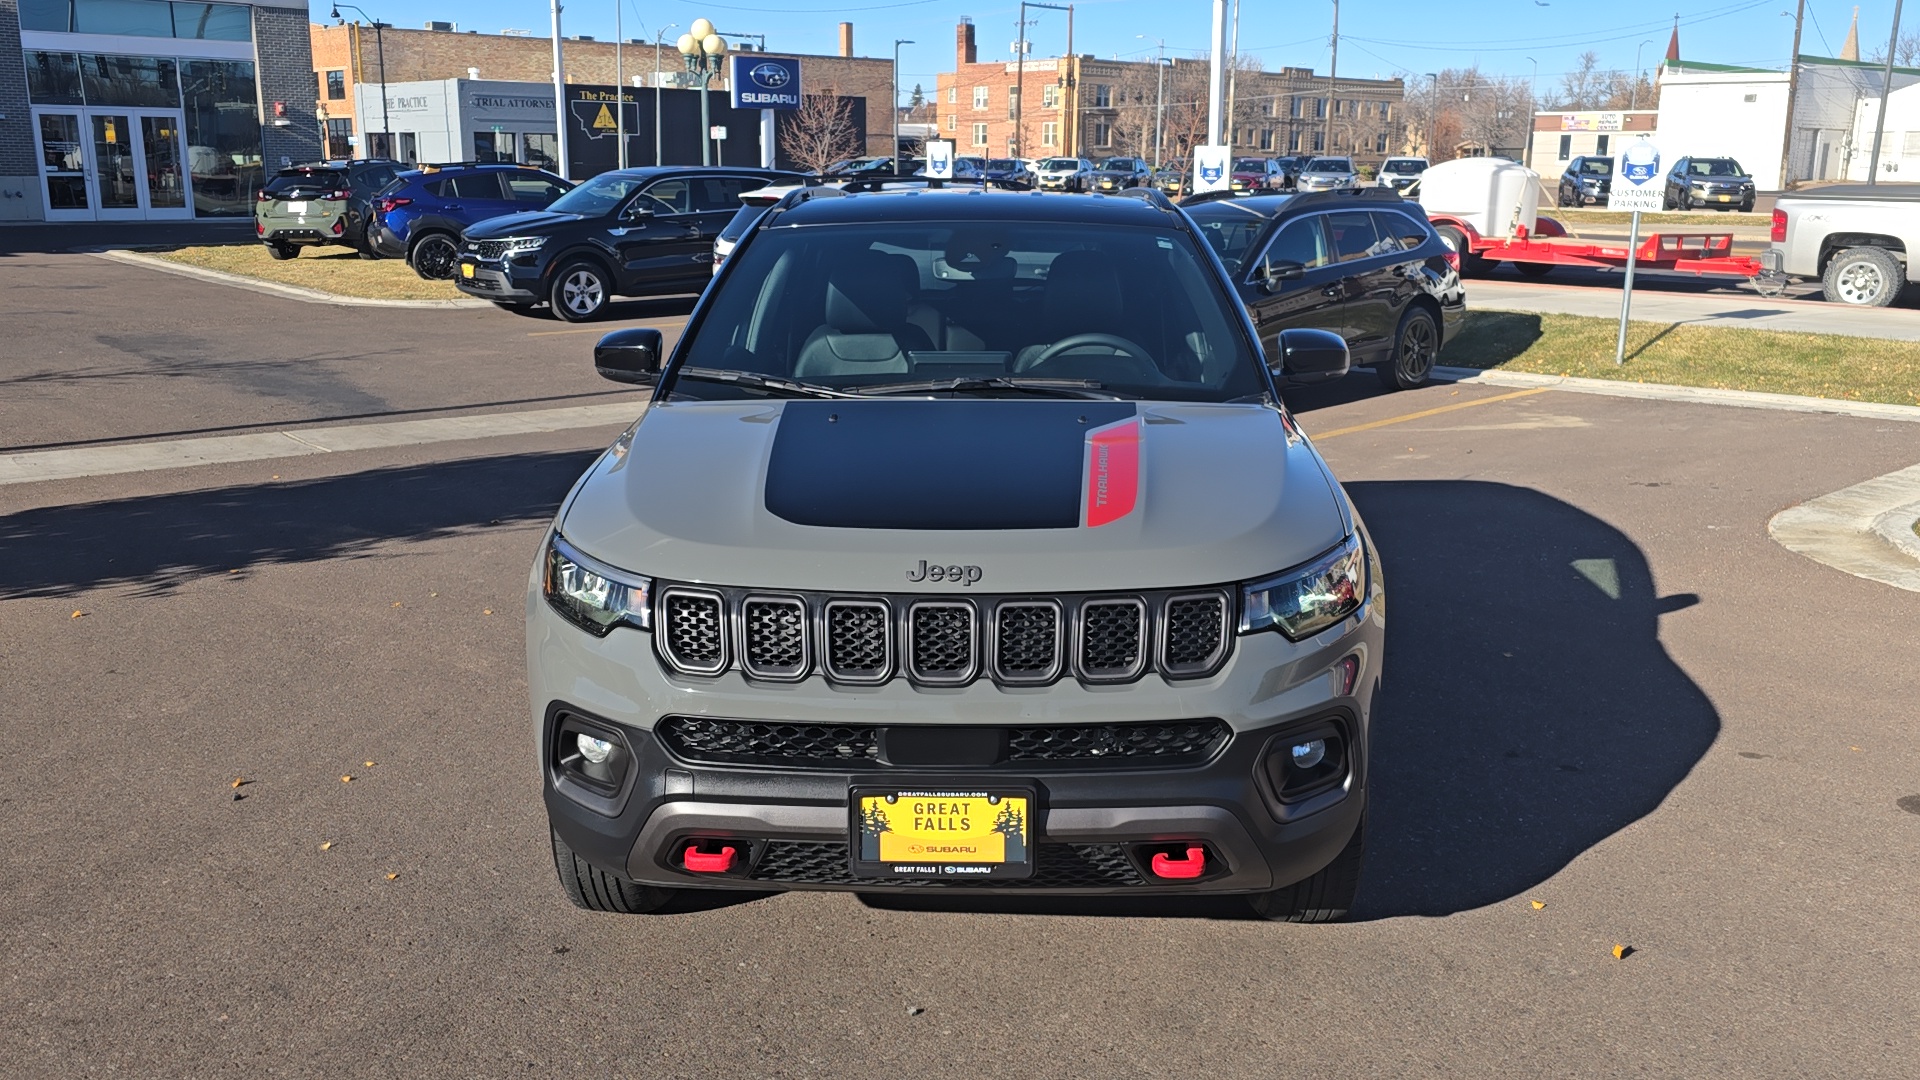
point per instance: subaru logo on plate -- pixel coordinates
(769, 76)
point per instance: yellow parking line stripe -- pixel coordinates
(1427, 412)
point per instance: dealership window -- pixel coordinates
(1050, 133)
(129, 80)
(494, 147)
(980, 94)
(53, 78)
(539, 150)
(140, 18)
(1013, 102)
(979, 134)
(340, 138)
(1102, 96)
(223, 135)
(336, 85)
(1049, 97)
(1600, 145)
(1566, 147)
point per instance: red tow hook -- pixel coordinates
(708, 862)
(1192, 866)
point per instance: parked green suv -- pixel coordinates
(328, 202)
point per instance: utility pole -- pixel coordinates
(1433, 114)
(1333, 74)
(897, 42)
(1020, 74)
(657, 38)
(619, 86)
(1533, 108)
(1233, 78)
(560, 97)
(1886, 91)
(1793, 87)
(1216, 79)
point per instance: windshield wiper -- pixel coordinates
(1073, 388)
(789, 387)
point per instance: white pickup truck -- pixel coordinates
(1852, 238)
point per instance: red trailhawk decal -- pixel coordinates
(1113, 472)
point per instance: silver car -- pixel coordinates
(966, 545)
(1327, 173)
(1065, 174)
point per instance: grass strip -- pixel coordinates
(1681, 354)
(334, 270)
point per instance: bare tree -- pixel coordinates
(1905, 51)
(820, 132)
(1464, 108)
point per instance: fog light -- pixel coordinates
(599, 750)
(1305, 755)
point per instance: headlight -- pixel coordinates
(1307, 599)
(523, 243)
(593, 595)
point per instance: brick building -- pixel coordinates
(138, 109)
(1088, 107)
(349, 54)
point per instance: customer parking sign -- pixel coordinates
(1637, 183)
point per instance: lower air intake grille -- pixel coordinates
(1112, 639)
(1056, 866)
(1163, 743)
(751, 742)
(696, 637)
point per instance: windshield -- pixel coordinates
(1118, 164)
(1404, 166)
(311, 180)
(1715, 167)
(1329, 164)
(596, 197)
(1136, 310)
(1230, 230)
(1001, 164)
(1056, 163)
(1596, 167)
(1250, 164)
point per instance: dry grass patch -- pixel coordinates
(1815, 365)
(334, 270)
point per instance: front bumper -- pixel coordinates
(1056, 183)
(497, 279)
(1095, 826)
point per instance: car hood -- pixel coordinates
(1741, 179)
(517, 224)
(1324, 175)
(1042, 496)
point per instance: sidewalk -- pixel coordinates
(42, 238)
(1749, 311)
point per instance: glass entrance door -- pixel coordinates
(63, 167)
(112, 164)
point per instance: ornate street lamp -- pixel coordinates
(704, 52)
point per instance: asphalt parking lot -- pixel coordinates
(1608, 693)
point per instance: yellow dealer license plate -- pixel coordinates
(466, 270)
(954, 834)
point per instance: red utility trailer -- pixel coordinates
(1536, 252)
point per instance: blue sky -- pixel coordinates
(1378, 37)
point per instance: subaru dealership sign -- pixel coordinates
(760, 81)
(1637, 183)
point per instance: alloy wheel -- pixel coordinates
(582, 292)
(435, 258)
(1417, 350)
(1860, 283)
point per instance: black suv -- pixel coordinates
(1363, 262)
(1717, 182)
(1587, 179)
(632, 232)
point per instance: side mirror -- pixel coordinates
(1307, 356)
(1275, 271)
(636, 210)
(633, 355)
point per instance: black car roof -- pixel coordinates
(974, 204)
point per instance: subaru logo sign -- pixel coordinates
(764, 82)
(1640, 163)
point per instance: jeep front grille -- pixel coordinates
(856, 748)
(944, 640)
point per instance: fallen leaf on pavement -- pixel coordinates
(368, 764)
(346, 779)
(1621, 952)
(488, 611)
(77, 614)
(391, 877)
(1538, 904)
(396, 603)
(326, 844)
(239, 780)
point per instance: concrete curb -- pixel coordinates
(1743, 399)
(1865, 530)
(273, 288)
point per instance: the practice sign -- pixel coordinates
(1637, 182)
(764, 82)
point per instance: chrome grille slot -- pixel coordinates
(1026, 641)
(773, 632)
(694, 635)
(1193, 634)
(1112, 640)
(942, 645)
(858, 645)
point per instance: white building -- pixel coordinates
(1721, 111)
(1899, 144)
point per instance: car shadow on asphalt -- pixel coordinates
(152, 544)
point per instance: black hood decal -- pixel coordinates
(944, 464)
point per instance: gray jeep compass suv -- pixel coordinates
(965, 545)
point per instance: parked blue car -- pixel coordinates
(421, 214)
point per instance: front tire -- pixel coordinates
(1326, 896)
(1416, 346)
(579, 292)
(1471, 265)
(593, 889)
(1864, 277)
(435, 257)
(1534, 269)
(280, 252)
